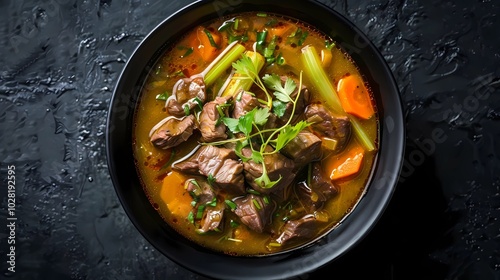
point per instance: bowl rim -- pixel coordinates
(353, 228)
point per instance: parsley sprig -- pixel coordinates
(246, 69)
(252, 124)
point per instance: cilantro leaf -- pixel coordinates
(279, 108)
(261, 115)
(288, 133)
(231, 123)
(282, 93)
(265, 182)
(245, 66)
(245, 123)
(257, 157)
(237, 149)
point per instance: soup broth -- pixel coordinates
(252, 159)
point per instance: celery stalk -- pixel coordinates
(225, 61)
(239, 82)
(315, 73)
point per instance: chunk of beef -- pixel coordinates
(328, 124)
(321, 189)
(212, 218)
(184, 93)
(245, 103)
(221, 164)
(303, 149)
(272, 122)
(172, 131)
(206, 204)
(211, 128)
(189, 166)
(305, 227)
(277, 166)
(254, 211)
(200, 190)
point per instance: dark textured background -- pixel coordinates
(59, 62)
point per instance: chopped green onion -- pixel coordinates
(236, 23)
(252, 191)
(210, 38)
(199, 103)
(257, 204)
(163, 96)
(302, 38)
(199, 213)
(269, 50)
(262, 15)
(319, 79)
(297, 37)
(187, 111)
(194, 182)
(190, 217)
(271, 22)
(266, 199)
(261, 40)
(329, 44)
(212, 203)
(274, 244)
(210, 179)
(177, 73)
(234, 224)
(280, 59)
(188, 51)
(231, 204)
(226, 24)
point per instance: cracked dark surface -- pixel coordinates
(60, 60)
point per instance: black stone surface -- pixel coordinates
(59, 62)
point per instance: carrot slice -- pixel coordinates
(348, 164)
(175, 196)
(354, 97)
(279, 30)
(206, 43)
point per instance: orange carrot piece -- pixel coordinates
(175, 196)
(354, 97)
(203, 44)
(279, 30)
(348, 164)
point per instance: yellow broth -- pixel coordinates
(165, 188)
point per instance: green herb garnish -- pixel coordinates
(211, 38)
(231, 204)
(190, 217)
(188, 50)
(251, 124)
(211, 179)
(199, 213)
(212, 203)
(257, 204)
(163, 96)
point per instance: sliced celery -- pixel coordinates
(223, 63)
(239, 81)
(315, 73)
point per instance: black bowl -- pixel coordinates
(296, 262)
